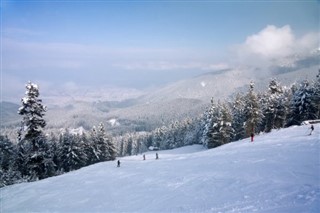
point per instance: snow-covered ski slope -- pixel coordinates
(279, 172)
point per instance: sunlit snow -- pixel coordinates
(278, 172)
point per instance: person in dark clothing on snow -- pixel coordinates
(157, 157)
(144, 157)
(252, 135)
(312, 128)
(118, 163)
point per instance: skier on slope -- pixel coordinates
(252, 135)
(118, 163)
(157, 156)
(312, 128)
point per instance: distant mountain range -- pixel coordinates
(176, 101)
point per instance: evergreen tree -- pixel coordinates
(108, 148)
(191, 132)
(273, 107)
(8, 173)
(53, 143)
(281, 109)
(23, 152)
(238, 115)
(7, 152)
(103, 147)
(171, 136)
(220, 130)
(120, 145)
(33, 150)
(253, 114)
(316, 96)
(32, 111)
(129, 145)
(35, 165)
(302, 105)
(71, 153)
(159, 137)
(208, 124)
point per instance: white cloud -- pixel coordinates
(271, 42)
(274, 44)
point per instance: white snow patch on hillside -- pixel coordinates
(114, 122)
(77, 131)
(278, 172)
(203, 84)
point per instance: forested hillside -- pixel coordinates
(37, 155)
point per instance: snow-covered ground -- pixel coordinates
(278, 172)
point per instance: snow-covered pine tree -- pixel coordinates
(70, 153)
(128, 142)
(8, 173)
(135, 145)
(238, 117)
(191, 133)
(270, 106)
(226, 130)
(178, 133)
(88, 148)
(103, 143)
(171, 136)
(32, 111)
(103, 147)
(32, 141)
(252, 111)
(7, 151)
(111, 148)
(123, 149)
(22, 156)
(119, 145)
(281, 109)
(158, 137)
(197, 130)
(144, 138)
(54, 145)
(220, 132)
(207, 123)
(316, 95)
(35, 164)
(302, 107)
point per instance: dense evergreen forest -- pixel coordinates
(35, 155)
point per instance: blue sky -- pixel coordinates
(141, 43)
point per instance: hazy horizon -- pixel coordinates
(63, 45)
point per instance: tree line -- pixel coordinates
(231, 120)
(36, 156)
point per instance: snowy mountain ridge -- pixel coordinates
(152, 109)
(278, 172)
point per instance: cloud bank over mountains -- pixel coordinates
(79, 66)
(273, 46)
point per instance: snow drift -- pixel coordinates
(278, 172)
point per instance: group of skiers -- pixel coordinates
(252, 136)
(144, 158)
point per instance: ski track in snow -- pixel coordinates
(278, 172)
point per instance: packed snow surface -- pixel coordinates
(278, 172)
